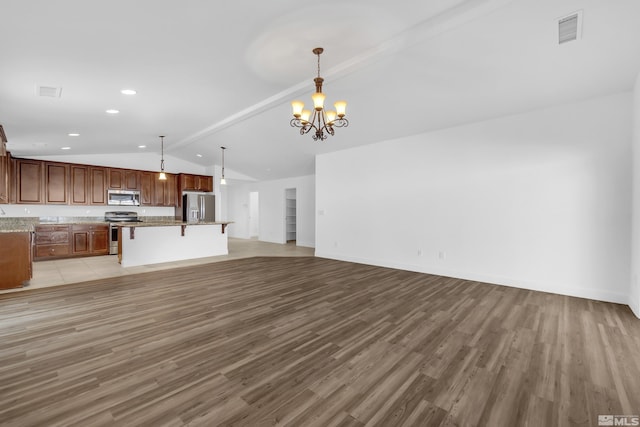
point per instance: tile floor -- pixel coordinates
(64, 271)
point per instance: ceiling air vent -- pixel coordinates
(50, 91)
(570, 27)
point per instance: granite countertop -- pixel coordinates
(27, 224)
(16, 228)
(170, 223)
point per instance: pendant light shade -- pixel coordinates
(222, 180)
(162, 176)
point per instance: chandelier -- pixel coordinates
(322, 122)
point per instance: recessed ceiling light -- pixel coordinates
(111, 111)
(65, 148)
(142, 146)
(128, 92)
(199, 155)
(74, 134)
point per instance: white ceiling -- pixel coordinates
(223, 73)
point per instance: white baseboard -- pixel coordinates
(554, 288)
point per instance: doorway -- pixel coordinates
(290, 215)
(254, 215)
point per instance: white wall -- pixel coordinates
(539, 200)
(634, 292)
(271, 208)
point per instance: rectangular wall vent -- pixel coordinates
(570, 27)
(50, 91)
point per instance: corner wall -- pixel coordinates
(272, 209)
(539, 201)
(634, 289)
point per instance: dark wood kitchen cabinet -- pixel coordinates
(189, 182)
(29, 181)
(15, 259)
(51, 241)
(79, 185)
(56, 183)
(124, 179)
(165, 191)
(89, 239)
(97, 185)
(146, 188)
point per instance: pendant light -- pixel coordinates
(222, 180)
(163, 176)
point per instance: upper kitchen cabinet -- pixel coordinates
(39, 182)
(4, 168)
(146, 188)
(29, 181)
(98, 185)
(124, 179)
(165, 191)
(188, 182)
(56, 185)
(79, 187)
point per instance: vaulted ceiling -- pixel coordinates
(210, 73)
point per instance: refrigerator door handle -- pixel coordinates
(202, 207)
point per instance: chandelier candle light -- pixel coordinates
(321, 120)
(163, 176)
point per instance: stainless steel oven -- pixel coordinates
(115, 218)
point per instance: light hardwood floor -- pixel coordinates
(311, 342)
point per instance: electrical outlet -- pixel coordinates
(442, 255)
(419, 252)
(335, 244)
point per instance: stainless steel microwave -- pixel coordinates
(123, 197)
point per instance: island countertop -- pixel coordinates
(170, 223)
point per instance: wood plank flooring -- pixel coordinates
(311, 342)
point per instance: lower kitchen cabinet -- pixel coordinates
(89, 239)
(15, 259)
(51, 241)
(64, 241)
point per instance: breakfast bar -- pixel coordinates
(157, 242)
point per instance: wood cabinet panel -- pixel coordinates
(98, 185)
(100, 240)
(116, 179)
(165, 191)
(29, 181)
(56, 183)
(189, 182)
(79, 185)
(51, 241)
(51, 251)
(132, 180)
(90, 239)
(56, 241)
(15, 259)
(205, 183)
(146, 188)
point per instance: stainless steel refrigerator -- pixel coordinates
(198, 207)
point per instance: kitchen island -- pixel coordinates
(155, 242)
(15, 256)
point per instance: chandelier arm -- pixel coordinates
(341, 123)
